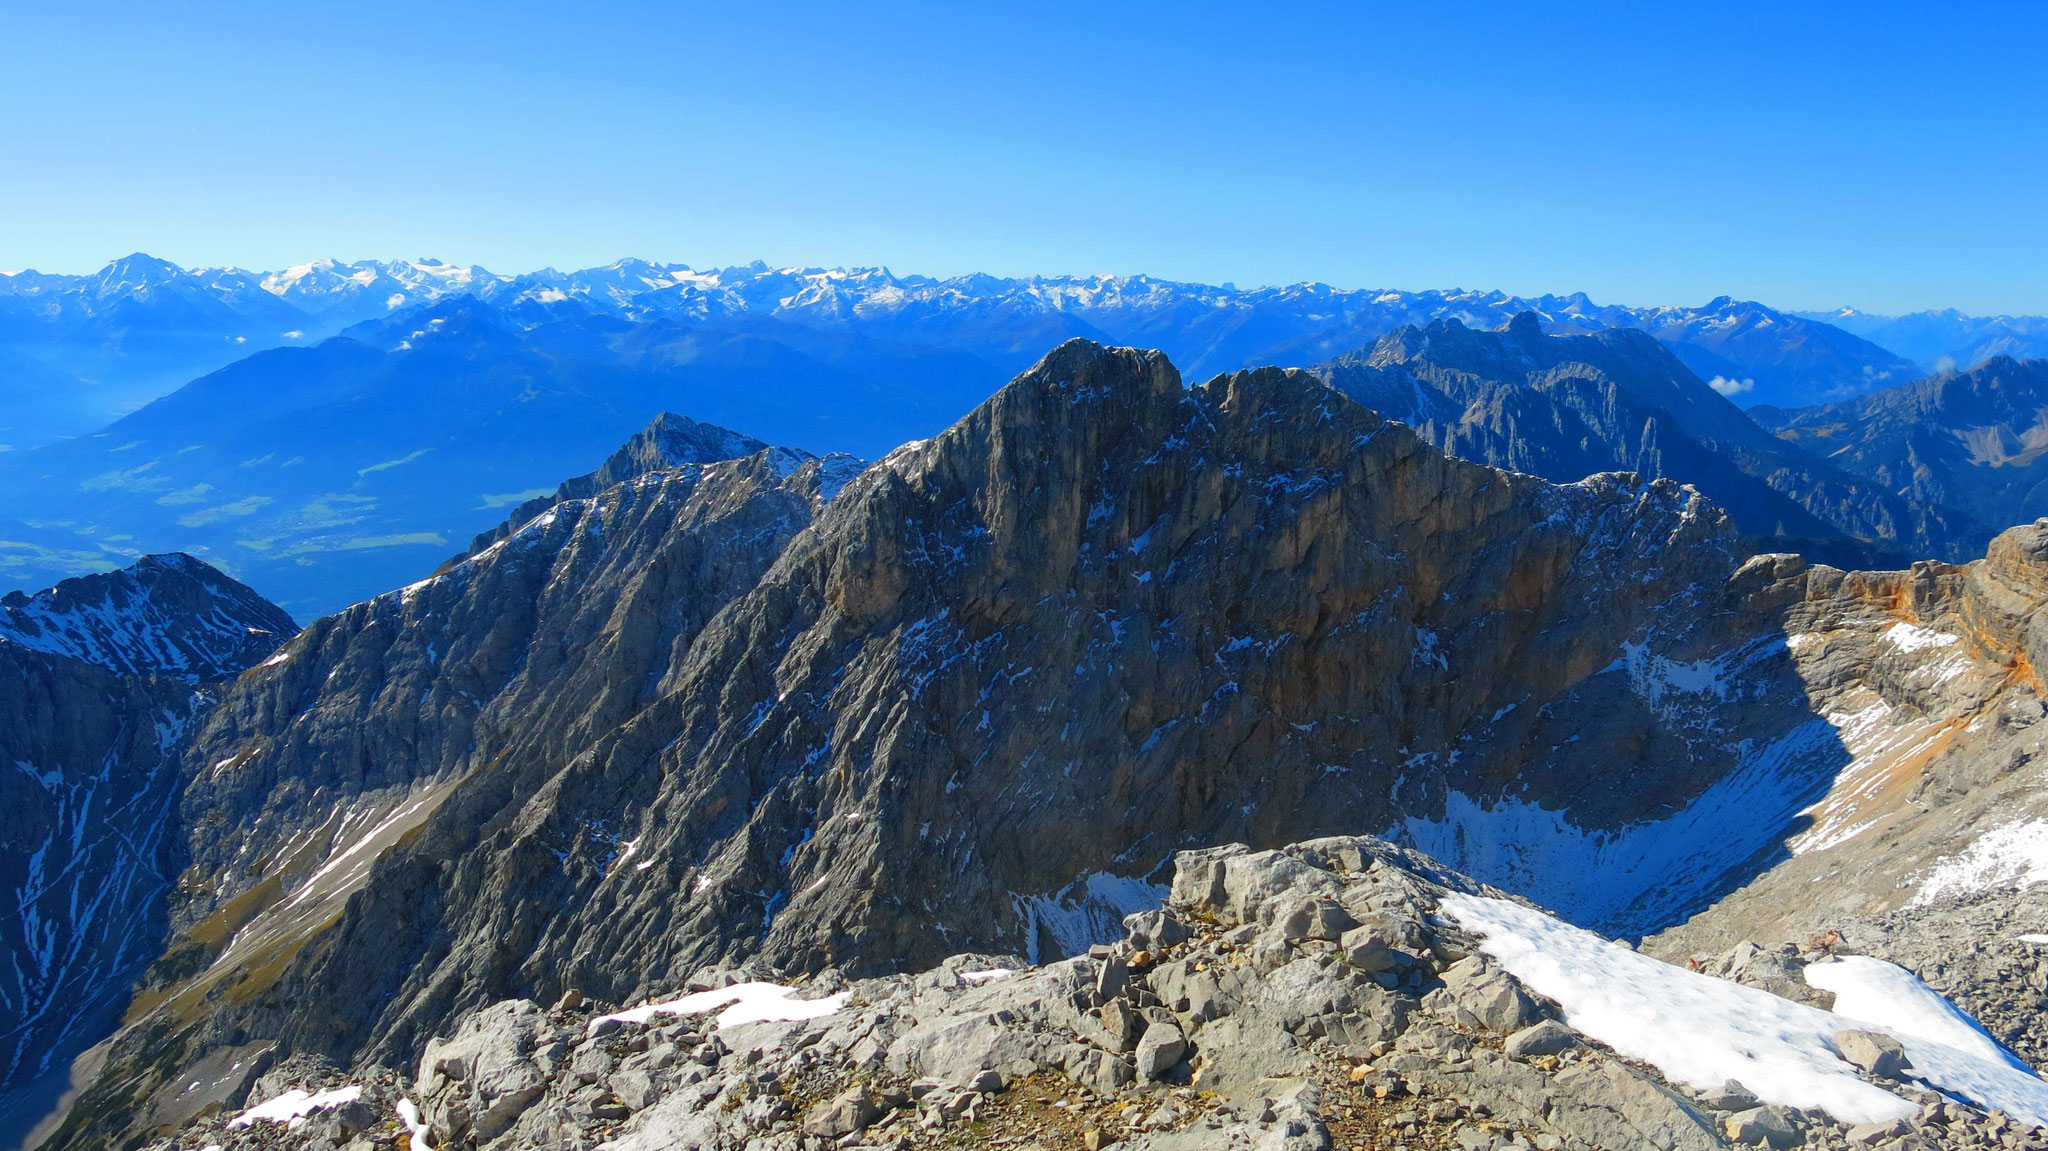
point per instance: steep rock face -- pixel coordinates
(1566, 406)
(1976, 441)
(426, 710)
(168, 615)
(97, 686)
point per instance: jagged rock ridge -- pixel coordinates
(100, 678)
(169, 615)
(1973, 441)
(1565, 406)
(975, 702)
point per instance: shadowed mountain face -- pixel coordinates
(100, 679)
(1567, 406)
(1973, 441)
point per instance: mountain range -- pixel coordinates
(687, 720)
(1945, 339)
(328, 472)
(79, 351)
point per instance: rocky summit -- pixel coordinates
(731, 719)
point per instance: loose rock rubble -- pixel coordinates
(1305, 999)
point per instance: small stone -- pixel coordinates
(1123, 1023)
(986, 1081)
(1870, 1134)
(1730, 1096)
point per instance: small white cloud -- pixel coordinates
(1944, 365)
(1731, 388)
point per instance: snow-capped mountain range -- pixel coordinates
(141, 326)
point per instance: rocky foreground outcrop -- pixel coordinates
(1314, 997)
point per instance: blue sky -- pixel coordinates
(1893, 157)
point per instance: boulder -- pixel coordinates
(843, 1114)
(1878, 1054)
(1767, 1126)
(1546, 1038)
(1161, 1049)
(479, 1081)
(1155, 929)
(1482, 995)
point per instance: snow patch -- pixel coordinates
(1703, 1031)
(2015, 855)
(742, 1003)
(1910, 638)
(293, 1106)
(1088, 911)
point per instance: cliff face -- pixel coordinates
(978, 697)
(100, 678)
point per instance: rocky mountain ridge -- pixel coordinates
(976, 701)
(100, 679)
(1566, 406)
(1971, 440)
(1945, 339)
(978, 698)
(169, 615)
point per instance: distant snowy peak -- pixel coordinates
(167, 615)
(1762, 355)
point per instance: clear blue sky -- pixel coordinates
(1894, 157)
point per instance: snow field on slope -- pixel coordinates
(1703, 1031)
(742, 1003)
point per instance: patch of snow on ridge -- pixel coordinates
(2015, 855)
(742, 1003)
(1088, 911)
(293, 1106)
(1910, 638)
(409, 1114)
(1703, 1031)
